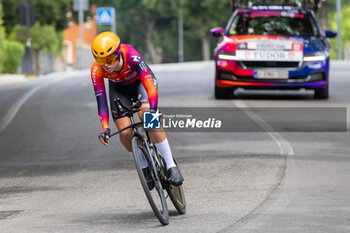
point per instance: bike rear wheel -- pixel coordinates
(155, 196)
(177, 197)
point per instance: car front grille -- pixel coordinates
(269, 64)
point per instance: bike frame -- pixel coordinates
(153, 160)
(156, 164)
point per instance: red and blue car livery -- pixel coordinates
(272, 47)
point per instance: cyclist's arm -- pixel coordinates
(146, 79)
(100, 92)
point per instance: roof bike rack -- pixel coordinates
(300, 4)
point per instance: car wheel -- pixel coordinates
(223, 92)
(322, 93)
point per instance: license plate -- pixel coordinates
(262, 74)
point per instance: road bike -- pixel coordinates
(141, 141)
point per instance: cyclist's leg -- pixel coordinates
(161, 142)
(126, 135)
(123, 93)
(158, 136)
(116, 91)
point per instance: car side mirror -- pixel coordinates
(331, 34)
(217, 32)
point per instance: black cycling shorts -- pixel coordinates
(126, 93)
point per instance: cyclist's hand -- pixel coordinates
(104, 136)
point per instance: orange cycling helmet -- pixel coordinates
(106, 48)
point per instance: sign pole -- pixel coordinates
(113, 21)
(27, 18)
(339, 29)
(181, 37)
(81, 19)
(81, 6)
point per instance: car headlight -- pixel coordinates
(317, 56)
(227, 55)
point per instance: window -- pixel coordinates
(244, 24)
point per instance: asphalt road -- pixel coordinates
(56, 176)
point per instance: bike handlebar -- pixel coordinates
(128, 127)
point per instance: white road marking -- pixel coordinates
(10, 115)
(285, 147)
(275, 202)
(15, 107)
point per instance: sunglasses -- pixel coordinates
(110, 59)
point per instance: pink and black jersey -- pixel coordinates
(134, 68)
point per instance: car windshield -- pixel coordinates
(244, 24)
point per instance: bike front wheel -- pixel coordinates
(155, 196)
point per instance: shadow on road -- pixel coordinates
(138, 219)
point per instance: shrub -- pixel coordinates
(13, 52)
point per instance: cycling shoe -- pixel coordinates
(175, 176)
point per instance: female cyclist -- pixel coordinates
(129, 77)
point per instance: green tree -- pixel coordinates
(50, 16)
(51, 12)
(205, 15)
(10, 51)
(136, 21)
(145, 13)
(43, 38)
(12, 56)
(345, 32)
(2, 39)
(165, 37)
